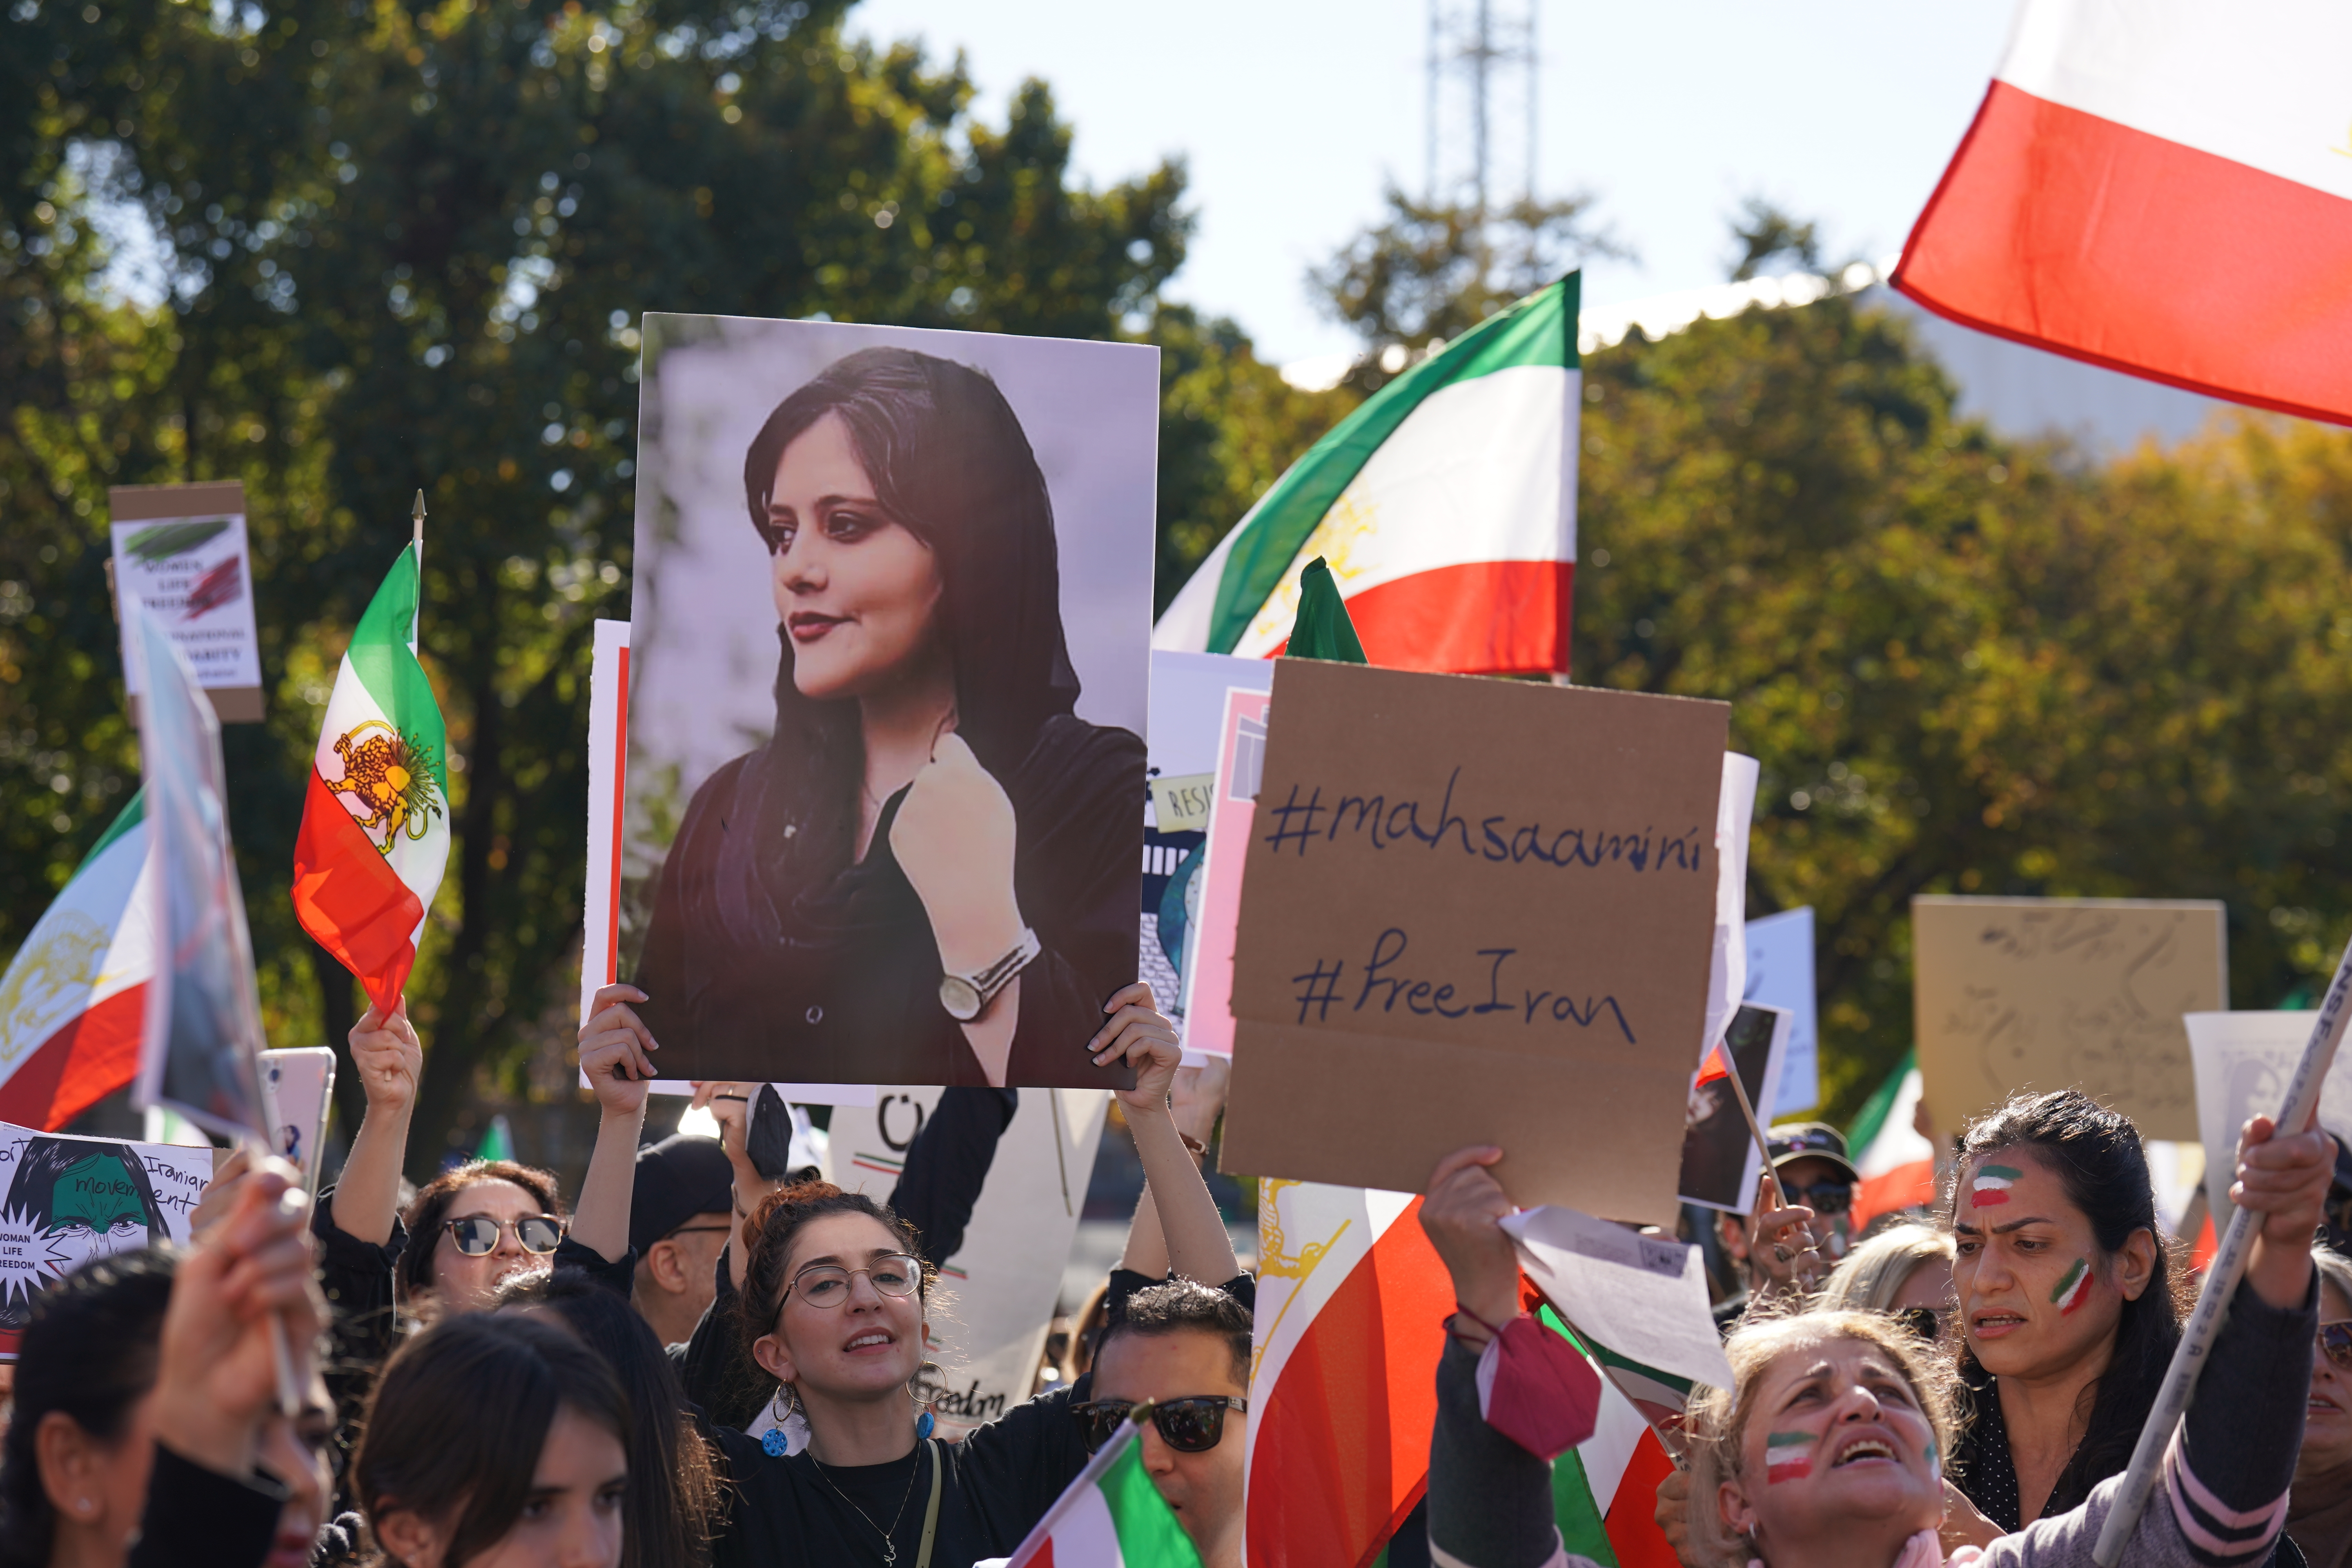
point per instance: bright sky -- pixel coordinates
(1292, 112)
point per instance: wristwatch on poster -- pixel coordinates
(967, 997)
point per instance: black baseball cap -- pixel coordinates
(1810, 1140)
(679, 1178)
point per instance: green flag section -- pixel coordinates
(1112, 1516)
(1896, 1161)
(1445, 507)
(1323, 630)
(375, 822)
(73, 998)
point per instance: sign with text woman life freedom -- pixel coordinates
(1476, 912)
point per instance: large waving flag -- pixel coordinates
(1445, 506)
(1605, 1490)
(1343, 1375)
(376, 825)
(73, 997)
(1111, 1516)
(2163, 188)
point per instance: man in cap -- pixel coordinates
(678, 1215)
(1809, 1162)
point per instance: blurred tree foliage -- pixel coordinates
(404, 245)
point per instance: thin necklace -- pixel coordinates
(889, 1547)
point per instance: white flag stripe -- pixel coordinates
(1478, 471)
(1087, 1536)
(2261, 83)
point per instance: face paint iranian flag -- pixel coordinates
(2073, 1290)
(1992, 1183)
(1789, 1456)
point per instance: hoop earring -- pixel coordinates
(774, 1442)
(925, 1421)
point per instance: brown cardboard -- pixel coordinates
(2015, 995)
(1574, 1052)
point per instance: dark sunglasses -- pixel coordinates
(1191, 1425)
(1821, 1197)
(2336, 1344)
(477, 1236)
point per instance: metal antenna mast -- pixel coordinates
(1472, 44)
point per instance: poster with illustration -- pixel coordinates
(888, 659)
(180, 551)
(1209, 941)
(69, 1199)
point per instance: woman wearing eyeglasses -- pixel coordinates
(826, 1298)
(2319, 1508)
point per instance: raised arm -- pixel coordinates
(389, 1059)
(1198, 1246)
(1194, 1102)
(615, 1046)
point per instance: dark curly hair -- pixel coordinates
(89, 1353)
(2097, 1157)
(431, 1206)
(768, 1248)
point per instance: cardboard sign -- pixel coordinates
(998, 1290)
(1476, 912)
(1721, 1164)
(1781, 974)
(1208, 939)
(2032, 994)
(180, 551)
(2242, 1063)
(65, 1201)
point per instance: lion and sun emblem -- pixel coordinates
(390, 777)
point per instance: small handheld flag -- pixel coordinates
(1111, 1516)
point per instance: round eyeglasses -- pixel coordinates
(477, 1236)
(827, 1284)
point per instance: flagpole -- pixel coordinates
(416, 542)
(1104, 1459)
(2196, 1343)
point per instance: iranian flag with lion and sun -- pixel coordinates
(375, 824)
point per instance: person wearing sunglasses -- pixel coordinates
(1816, 1187)
(2319, 1506)
(1185, 1347)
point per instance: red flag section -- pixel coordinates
(348, 897)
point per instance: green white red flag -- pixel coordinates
(1445, 507)
(1897, 1165)
(1112, 1516)
(375, 824)
(74, 996)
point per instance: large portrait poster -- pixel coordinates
(888, 658)
(65, 1201)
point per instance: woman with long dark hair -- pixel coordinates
(928, 873)
(2069, 1303)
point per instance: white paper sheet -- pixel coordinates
(1644, 1297)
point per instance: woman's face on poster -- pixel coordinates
(94, 1212)
(856, 591)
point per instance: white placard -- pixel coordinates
(1781, 974)
(2242, 1062)
(194, 576)
(1644, 1297)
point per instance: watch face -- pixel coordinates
(961, 997)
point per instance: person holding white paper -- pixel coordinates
(1829, 1451)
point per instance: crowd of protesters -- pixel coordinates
(695, 1364)
(691, 1364)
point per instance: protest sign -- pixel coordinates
(69, 1199)
(605, 905)
(1209, 939)
(180, 551)
(295, 1086)
(1476, 912)
(1644, 1297)
(2032, 994)
(1188, 708)
(987, 1329)
(839, 889)
(1721, 1164)
(2244, 1061)
(1781, 974)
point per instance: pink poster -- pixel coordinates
(1209, 966)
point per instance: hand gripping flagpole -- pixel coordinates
(2195, 1344)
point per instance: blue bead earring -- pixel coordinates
(774, 1442)
(923, 1425)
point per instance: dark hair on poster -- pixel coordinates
(909, 537)
(82, 1199)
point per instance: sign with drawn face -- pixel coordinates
(2023, 995)
(70, 1201)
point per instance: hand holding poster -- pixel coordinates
(2015, 995)
(65, 1201)
(1476, 912)
(887, 662)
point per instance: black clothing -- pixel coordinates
(949, 1163)
(1125, 1282)
(1980, 1464)
(751, 977)
(197, 1518)
(363, 1320)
